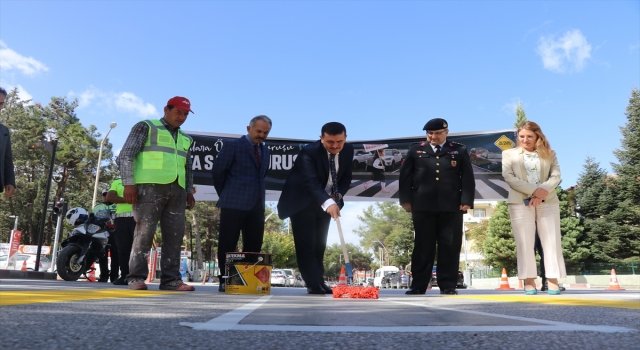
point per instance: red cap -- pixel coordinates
(181, 103)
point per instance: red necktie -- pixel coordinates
(257, 154)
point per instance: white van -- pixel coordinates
(381, 272)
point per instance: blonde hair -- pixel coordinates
(542, 145)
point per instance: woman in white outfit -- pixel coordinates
(377, 173)
(532, 172)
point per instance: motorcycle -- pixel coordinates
(85, 244)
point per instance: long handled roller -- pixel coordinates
(344, 251)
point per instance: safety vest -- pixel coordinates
(162, 159)
(121, 208)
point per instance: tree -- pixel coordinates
(521, 116)
(499, 246)
(74, 167)
(478, 234)
(333, 259)
(389, 223)
(575, 243)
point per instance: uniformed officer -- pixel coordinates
(437, 187)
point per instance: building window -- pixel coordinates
(479, 213)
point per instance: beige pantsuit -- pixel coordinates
(525, 219)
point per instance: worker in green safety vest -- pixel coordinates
(155, 167)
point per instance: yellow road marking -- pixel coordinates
(553, 300)
(23, 297)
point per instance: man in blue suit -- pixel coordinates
(312, 195)
(239, 171)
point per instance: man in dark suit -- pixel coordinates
(7, 175)
(437, 186)
(238, 176)
(312, 195)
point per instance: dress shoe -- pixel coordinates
(221, 287)
(449, 291)
(530, 291)
(103, 279)
(120, 282)
(315, 290)
(326, 288)
(553, 292)
(562, 289)
(416, 291)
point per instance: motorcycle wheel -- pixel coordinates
(68, 268)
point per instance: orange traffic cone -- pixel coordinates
(504, 281)
(24, 265)
(343, 279)
(91, 276)
(613, 281)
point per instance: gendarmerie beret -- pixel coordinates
(436, 124)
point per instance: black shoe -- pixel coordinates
(221, 287)
(316, 290)
(449, 291)
(544, 286)
(562, 289)
(120, 282)
(103, 279)
(416, 291)
(326, 288)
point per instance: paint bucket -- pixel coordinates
(249, 273)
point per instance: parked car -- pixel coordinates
(392, 159)
(291, 277)
(385, 282)
(434, 279)
(299, 282)
(278, 278)
(360, 158)
(399, 280)
(44, 265)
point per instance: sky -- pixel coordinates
(382, 68)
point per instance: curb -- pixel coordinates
(31, 275)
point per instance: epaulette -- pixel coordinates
(457, 143)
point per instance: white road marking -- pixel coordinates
(485, 191)
(500, 183)
(231, 320)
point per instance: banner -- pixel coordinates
(484, 147)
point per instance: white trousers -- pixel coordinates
(524, 221)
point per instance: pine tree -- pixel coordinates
(575, 242)
(521, 116)
(499, 246)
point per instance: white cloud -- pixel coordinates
(349, 222)
(23, 95)
(568, 53)
(131, 103)
(10, 60)
(510, 107)
(124, 101)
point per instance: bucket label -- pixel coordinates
(263, 275)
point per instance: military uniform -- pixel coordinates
(436, 185)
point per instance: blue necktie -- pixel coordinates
(334, 179)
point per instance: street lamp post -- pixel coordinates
(15, 224)
(340, 259)
(95, 187)
(386, 252)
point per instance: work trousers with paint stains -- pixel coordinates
(165, 204)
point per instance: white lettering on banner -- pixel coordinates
(208, 162)
(281, 148)
(195, 163)
(282, 162)
(218, 145)
(195, 148)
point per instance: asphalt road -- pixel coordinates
(49, 314)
